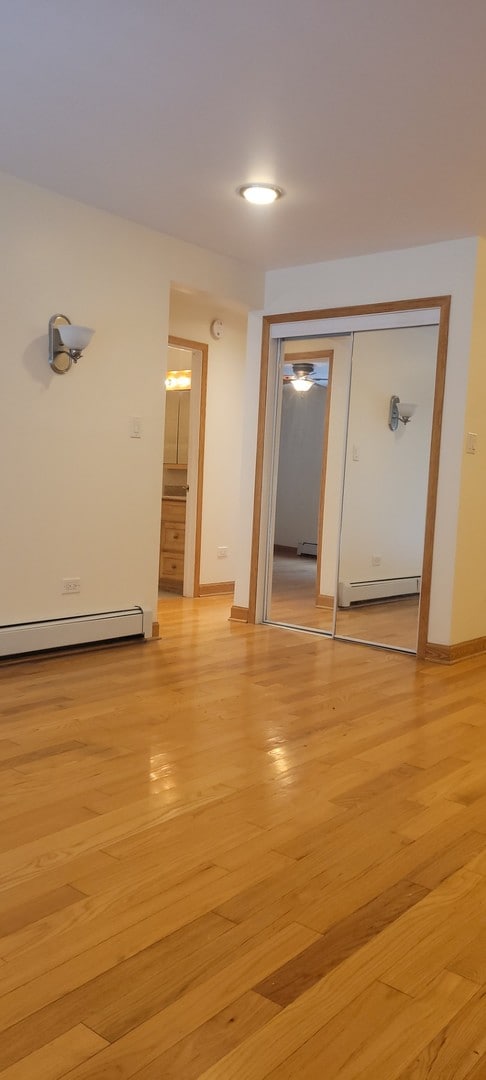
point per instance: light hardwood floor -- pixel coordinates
(241, 853)
(293, 596)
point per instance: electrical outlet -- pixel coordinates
(136, 427)
(71, 585)
(222, 553)
(376, 560)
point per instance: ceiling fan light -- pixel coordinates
(302, 385)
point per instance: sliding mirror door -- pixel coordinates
(385, 487)
(312, 397)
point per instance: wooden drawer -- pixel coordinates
(172, 566)
(173, 511)
(172, 538)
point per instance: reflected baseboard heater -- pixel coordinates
(76, 630)
(306, 547)
(358, 592)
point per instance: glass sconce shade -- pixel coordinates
(75, 337)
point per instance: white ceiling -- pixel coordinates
(369, 113)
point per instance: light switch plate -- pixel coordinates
(471, 442)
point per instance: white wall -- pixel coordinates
(299, 465)
(433, 270)
(190, 317)
(385, 490)
(78, 496)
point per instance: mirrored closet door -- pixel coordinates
(350, 481)
(385, 486)
(312, 398)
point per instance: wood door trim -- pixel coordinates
(322, 490)
(257, 497)
(203, 348)
(434, 460)
(320, 354)
(419, 303)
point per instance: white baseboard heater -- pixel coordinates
(77, 630)
(306, 547)
(358, 592)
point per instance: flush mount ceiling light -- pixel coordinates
(260, 194)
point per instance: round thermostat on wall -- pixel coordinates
(217, 329)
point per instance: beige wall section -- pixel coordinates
(469, 610)
(79, 497)
(191, 315)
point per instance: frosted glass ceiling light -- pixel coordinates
(260, 194)
(66, 343)
(302, 381)
(302, 385)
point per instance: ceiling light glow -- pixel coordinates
(178, 380)
(302, 385)
(260, 194)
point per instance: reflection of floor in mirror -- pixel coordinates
(393, 622)
(294, 593)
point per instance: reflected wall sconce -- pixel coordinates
(399, 411)
(66, 343)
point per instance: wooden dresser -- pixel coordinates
(172, 538)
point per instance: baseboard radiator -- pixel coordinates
(306, 547)
(359, 592)
(77, 630)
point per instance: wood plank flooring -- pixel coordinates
(241, 853)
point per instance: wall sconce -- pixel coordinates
(399, 411)
(66, 343)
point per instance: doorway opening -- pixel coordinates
(183, 467)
